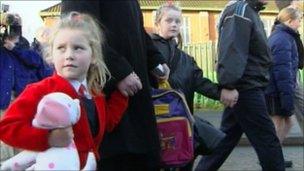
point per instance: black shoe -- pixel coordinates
(288, 163)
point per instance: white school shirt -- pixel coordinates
(76, 84)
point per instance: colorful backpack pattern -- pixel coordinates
(175, 127)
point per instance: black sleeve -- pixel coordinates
(233, 46)
(203, 85)
(154, 55)
(117, 64)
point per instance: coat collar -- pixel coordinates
(155, 36)
(161, 39)
(283, 27)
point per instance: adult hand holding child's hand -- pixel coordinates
(130, 85)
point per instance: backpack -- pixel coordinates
(175, 128)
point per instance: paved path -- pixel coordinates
(243, 157)
(295, 136)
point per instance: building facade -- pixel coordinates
(199, 17)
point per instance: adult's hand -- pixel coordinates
(9, 44)
(130, 85)
(229, 97)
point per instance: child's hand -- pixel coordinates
(229, 97)
(61, 137)
(130, 85)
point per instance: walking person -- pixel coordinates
(80, 73)
(185, 74)
(134, 144)
(299, 90)
(249, 115)
(280, 93)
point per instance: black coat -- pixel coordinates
(256, 74)
(128, 48)
(23, 43)
(185, 75)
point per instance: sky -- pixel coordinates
(29, 12)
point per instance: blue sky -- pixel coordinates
(29, 12)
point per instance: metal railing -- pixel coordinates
(205, 57)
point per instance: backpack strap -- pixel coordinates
(164, 85)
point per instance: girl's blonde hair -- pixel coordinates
(161, 10)
(160, 13)
(288, 14)
(98, 71)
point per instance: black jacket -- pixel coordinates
(256, 74)
(128, 48)
(185, 75)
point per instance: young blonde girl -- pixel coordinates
(74, 49)
(185, 74)
(280, 93)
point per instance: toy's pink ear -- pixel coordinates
(51, 114)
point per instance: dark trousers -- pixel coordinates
(129, 162)
(250, 116)
(188, 167)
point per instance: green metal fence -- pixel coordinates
(205, 56)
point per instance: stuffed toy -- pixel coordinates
(55, 110)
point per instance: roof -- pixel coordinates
(185, 5)
(51, 11)
(198, 5)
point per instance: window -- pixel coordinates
(268, 23)
(185, 30)
(153, 17)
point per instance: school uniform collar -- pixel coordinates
(76, 84)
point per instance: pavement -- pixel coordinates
(244, 158)
(295, 136)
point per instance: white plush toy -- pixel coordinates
(55, 110)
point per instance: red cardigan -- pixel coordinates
(16, 125)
